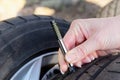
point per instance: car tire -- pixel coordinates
(23, 38)
(110, 10)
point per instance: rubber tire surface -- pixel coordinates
(112, 9)
(103, 68)
(23, 38)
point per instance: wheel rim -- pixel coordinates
(32, 69)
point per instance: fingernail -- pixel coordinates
(79, 65)
(88, 60)
(92, 58)
(71, 64)
(61, 72)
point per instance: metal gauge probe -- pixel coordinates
(61, 44)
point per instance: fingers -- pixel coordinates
(82, 51)
(97, 33)
(74, 35)
(78, 64)
(62, 63)
(102, 53)
(87, 59)
(91, 56)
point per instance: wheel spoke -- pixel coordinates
(34, 71)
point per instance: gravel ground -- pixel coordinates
(70, 12)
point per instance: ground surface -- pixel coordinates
(65, 9)
(70, 12)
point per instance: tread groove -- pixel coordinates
(108, 13)
(22, 18)
(117, 62)
(36, 16)
(9, 22)
(114, 71)
(115, 10)
(88, 73)
(91, 64)
(101, 69)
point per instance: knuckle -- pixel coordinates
(74, 22)
(81, 26)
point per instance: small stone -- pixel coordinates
(44, 11)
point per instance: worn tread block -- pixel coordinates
(101, 63)
(84, 77)
(105, 75)
(114, 66)
(91, 71)
(29, 18)
(44, 17)
(49, 18)
(4, 26)
(2, 43)
(15, 21)
(110, 10)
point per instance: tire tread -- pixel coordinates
(110, 10)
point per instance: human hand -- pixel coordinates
(87, 39)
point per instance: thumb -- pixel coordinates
(81, 51)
